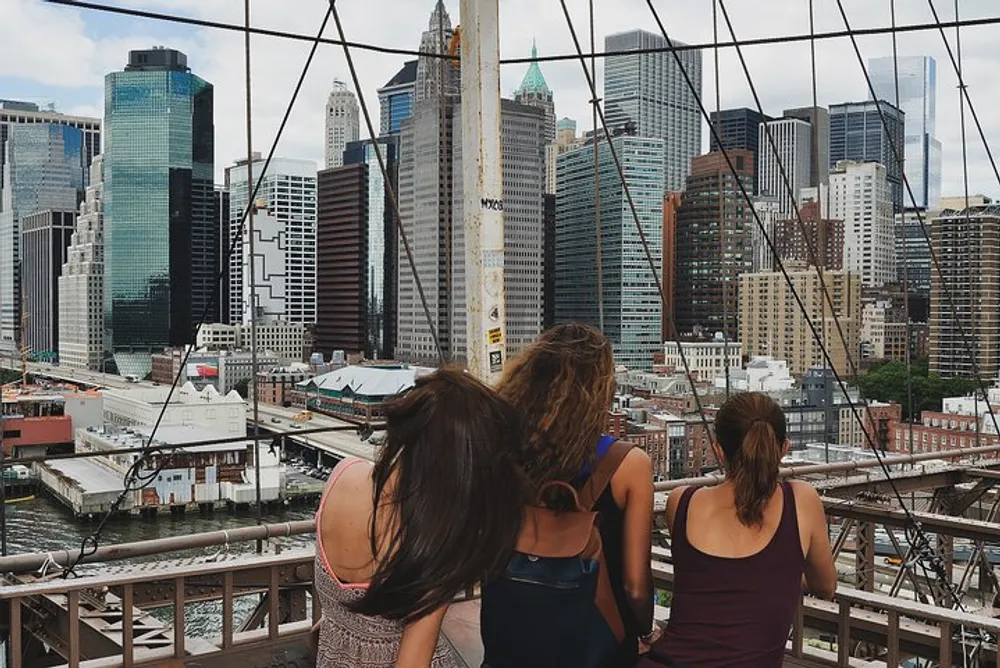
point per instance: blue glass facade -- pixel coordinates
(396, 99)
(45, 165)
(400, 108)
(858, 133)
(632, 306)
(161, 245)
(918, 99)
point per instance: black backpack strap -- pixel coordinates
(603, 472)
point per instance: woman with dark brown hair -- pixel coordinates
(564, 384)
(741, 549)
(439, 511)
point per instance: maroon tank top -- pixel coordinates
(733, 612)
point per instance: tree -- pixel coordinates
(243, 388)
(888, 382)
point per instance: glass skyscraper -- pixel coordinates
(647, 91)
(632, 305)
(857, 133)
(44, 171)
(918, 99)
(396, 99)
(161, 245)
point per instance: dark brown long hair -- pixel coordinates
(448, 495)
(564, 384)
(751, 427)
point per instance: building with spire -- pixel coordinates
(535, 92)
(342, 123)
(431, 72)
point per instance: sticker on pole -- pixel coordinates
(496, 361)
(495, 336)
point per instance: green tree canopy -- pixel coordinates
(888, 382)
(243, 387)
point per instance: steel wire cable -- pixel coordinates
(919, 536)
(133, 479)
(635, 216)
(761, 41)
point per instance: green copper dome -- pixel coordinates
(533, 81)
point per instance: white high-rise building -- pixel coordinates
(767, 211)
(648, 92)
(861, 197)
(81, 285)
(793, 139)
(342, 123)
(284, 242)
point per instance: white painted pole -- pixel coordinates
(482, 188)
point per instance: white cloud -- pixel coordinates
(52, 45)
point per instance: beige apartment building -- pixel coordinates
(771, 322)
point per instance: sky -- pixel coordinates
(52, 54)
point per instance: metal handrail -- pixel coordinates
(23, 563)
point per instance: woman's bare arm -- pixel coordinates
(416, 649)
(637, 475)
(820, 571)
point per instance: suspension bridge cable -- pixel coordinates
(386, 178)
(592, 86)
(761, 41)
(935, 260)
(598, 213)
(919, 535)
(133, 479)
(924, 543)
(726, 275)
(942, 26)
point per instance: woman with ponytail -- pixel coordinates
(741, 549)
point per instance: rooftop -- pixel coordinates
(187, 394)
(372, 381)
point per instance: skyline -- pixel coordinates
(67, 65)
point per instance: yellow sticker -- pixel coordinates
(495, 335)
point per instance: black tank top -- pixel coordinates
(733, 612)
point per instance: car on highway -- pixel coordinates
(275, 420)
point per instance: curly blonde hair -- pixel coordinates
(564, 384)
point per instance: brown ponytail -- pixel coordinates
(750, 428)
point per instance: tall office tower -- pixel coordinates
(857, 133)
(823, 241)
(342, 124)
(396, 99)
(713, 244)
(913, 253)
(918, 99)
(566, 140)
(81, 285)
(818, 119)
(356, 254)
(738, 129)
(965, 303)
(45, 238)
(43, 172)
(860, 196)
(14, 112)
(633, 310)
(435, 76)
(431, 209)
(284, 243)
(158, 182)
(220, 205)
(648, 91)
(671, 204)
(535, 92)
(793, 140)
(766, 209)
(772, 324)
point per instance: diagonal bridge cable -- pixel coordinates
(387, 180)
(134, 480)
(919, 533)
(635, 217)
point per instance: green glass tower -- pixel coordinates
(161, 237)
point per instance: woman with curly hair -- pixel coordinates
(564, 384)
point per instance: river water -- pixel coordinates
(43, 525)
